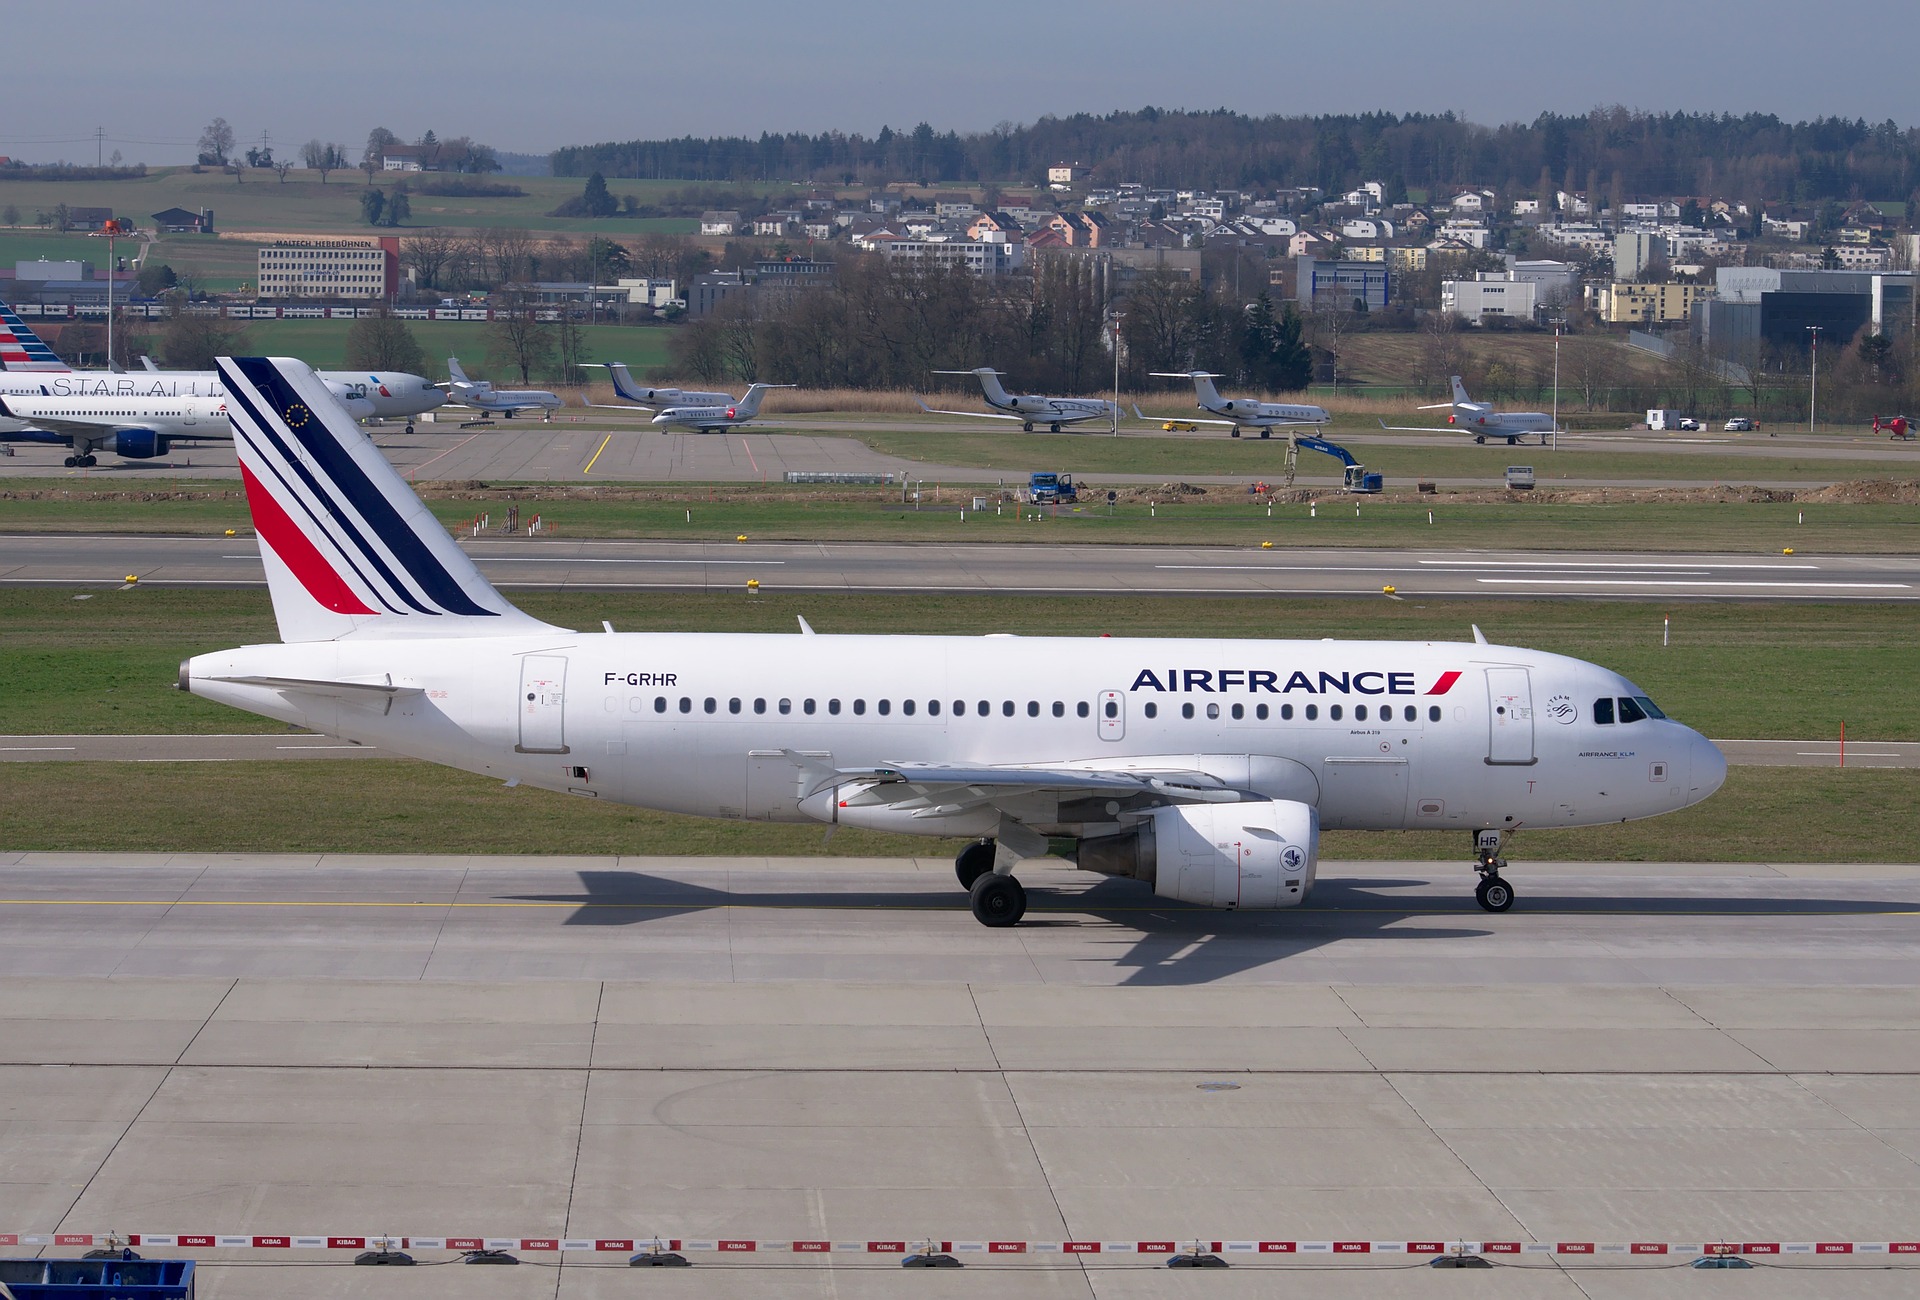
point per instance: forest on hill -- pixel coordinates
(1609, 152)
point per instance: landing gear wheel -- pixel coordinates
(1494, 893)
(1235, 433)
(1027, 427)
(998, 901)
(1480, 437)
(973, 862)
(409, 426)
(73, 462)
(89, 460)
(1055, 428)
(1266, 433)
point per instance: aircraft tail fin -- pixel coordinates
(990, 385)
(624, 386)
(348, 547)
(1204, 391)
(1460, 397)
(455, 373)
(749, 405)
(22, 349)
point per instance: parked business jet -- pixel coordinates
(1481, 420)
(1206, 769)
(1243, 412)
(1054, 412)
(388, 394)
(712, 417)
(486, 399)
(137, 428)
(651, 398)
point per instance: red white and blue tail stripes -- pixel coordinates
(348, 546)
(21, 348)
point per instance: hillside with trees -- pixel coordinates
(1752, 156)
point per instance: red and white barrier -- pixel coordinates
(752, 1246)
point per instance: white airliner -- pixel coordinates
(711, 417)
(135, 427)
(1054, 412)
(651, 398)
(1205, 769)
(1481, 420)
(388, 394)
(483, 397)
(1243, 412)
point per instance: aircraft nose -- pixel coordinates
(1708, 767)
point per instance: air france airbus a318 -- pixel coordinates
(1205, 769)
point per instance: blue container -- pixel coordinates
(99, 1279)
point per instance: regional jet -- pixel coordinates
(1203, 769)
(486, 399)
(1054, 412)
(1242, 412)
(712, 417)
(652, 399)
(387, 394)
(1481, 420)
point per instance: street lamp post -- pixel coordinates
(1558, 324)
(1813, 385)
(110, 228)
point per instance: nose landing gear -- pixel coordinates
(1493, 892)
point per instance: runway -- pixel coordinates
(1014, 569)
(776, 1050)
(614, 448)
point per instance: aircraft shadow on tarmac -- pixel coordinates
(1167, 942)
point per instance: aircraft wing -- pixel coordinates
(1420, 428)
(65, 427)
(977, 415)
(931, 786)
(1251, 424)
(620, 406)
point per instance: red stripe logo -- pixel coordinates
(279, 531)
(1445, 683)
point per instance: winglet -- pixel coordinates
(806, 628)
(1479, 637)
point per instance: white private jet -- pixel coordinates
(652, 399)
(1205, 769)
(1481, 420)
(483, 397)
(388, 394)
(712, 417)
(1242, 412)
(1054, 412)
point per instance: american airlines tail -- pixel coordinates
(349, 550)
(22, 349)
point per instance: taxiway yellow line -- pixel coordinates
(596, 453)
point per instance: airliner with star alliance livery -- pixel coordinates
(1204, 769)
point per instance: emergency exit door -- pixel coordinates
(1113, 715)
(1510, 716)
(542, 705)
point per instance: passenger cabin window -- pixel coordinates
(1433, 713)
(859, 707)
(1413, 714)
(1033, 708)
(659, 704)
(1213, 710)
(1333, 712)
(906, 707)
(1111, 708)
(933, 708)
(733, 705)
(686, 704)
(985, 709)
(833, 706)
(807, 708)
(711, 704)
(1151, 709)
(1313, 712)
(1006, 708)
(1186, 710)
(1059, 709)
(1603, 710)
(1359, 713)
(1630, 710)
(759, 706)
(1082, 710)
(1259, 711)
(885, 707)
(1286, 713)
(1239, 711)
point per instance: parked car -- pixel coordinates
(1688, 424)
(1181, 426)
(1739, 424)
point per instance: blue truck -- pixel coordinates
(1051, 489)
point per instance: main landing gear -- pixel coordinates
(997, 900)
(409, 426)
(82, 462)
(1027, 427)
(1493, 891)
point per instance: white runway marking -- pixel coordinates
(1656, 582)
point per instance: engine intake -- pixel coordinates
(140, 444)
(1255, 854)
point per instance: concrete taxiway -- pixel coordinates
(1020, 569)
(834, 1049)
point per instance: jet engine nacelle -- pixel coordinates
(1256, 854)
(358, 407)
(140, 444)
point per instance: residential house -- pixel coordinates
(720, 223)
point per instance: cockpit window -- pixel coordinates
(1648, 707)
(1603, 710)
(1630, 710)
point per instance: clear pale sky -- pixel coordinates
(528, 76)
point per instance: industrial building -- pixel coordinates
(1782, 307)
(1647, 304)
(1490, 293)
(331, 268)
(1342, 285)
